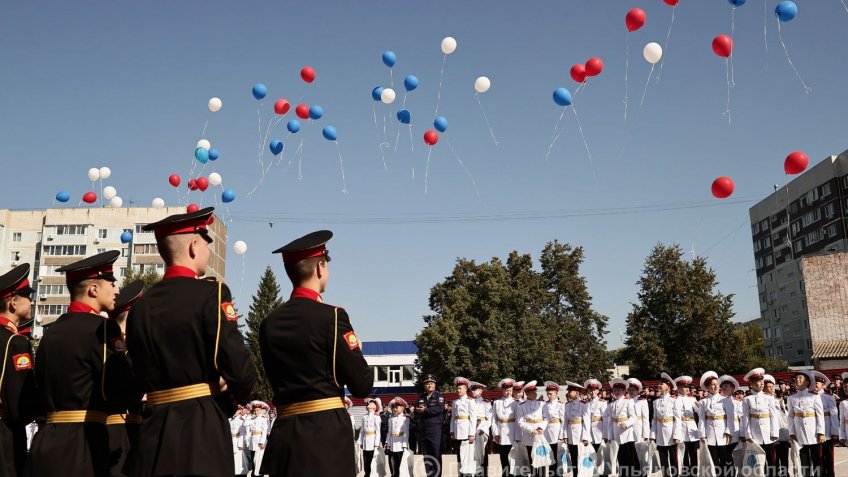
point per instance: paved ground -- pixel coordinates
(450, 465)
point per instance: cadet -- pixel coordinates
(597, 411)
(552, 411)
(759, 421)
(831, 423)
(505, 434)
(716, 421)
(462, 416)
(397, 439)
(188, 356)
(806, 422)
(369, 433)
(532, 423)
(781, 447)
(621, 418)
(689, 426)
(430, 410)
(310, 353)
(518, 392)
(483, 411)
(81, 372)
(843, 413)
(643, 415)
(17, 384)
(575, 429)
(666, 428)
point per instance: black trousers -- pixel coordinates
(722, 460)
(668, 460)
(369, 456)
(430, 441)
(689, 466)
(534, 472)
(781, 449)
(250, 454)
(771, 460)
(811, 460)
(628, 462)
(503, 453)
(394, 462)
(827, 463)
(572, 459)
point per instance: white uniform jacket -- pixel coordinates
(398, 436)
(759, 419)
(597, 423)
(531, 419)
(369, 435)
(483, 411)
(716, 419)
(643, 419)
(575, 426)
(831, 414)
(504, 416)
(463, 422)
(689, 425)
(806, 417)
(552, 412)
(621, 411)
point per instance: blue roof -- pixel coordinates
(379, 348)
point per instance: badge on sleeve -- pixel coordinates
(22, 361)
(352, 341)
(119, 345)
(229, 311)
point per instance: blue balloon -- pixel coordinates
(786, 11)
(293, 126)
(404, 116)
(315, 112)
(63, 196)
(126, 237)
(213, 154)
(202, 155)
(330, 133)
(440, 123)
(562, 97)
(259, 90)
(276, 146)
(737, 3)
(389, 58)
(228, 196)
(410, 82)
(376, 93)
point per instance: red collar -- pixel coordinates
(77, 307)
(301, 292)
(7, 323)
(178, 271)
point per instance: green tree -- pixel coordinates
(680, 323)
(148, 275)
(750, 349)
(266, 299)
(496, 319)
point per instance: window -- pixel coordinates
(760, 262)
(755, 229)
(51, 290)
(769, 260)
(812, 195)
(796, 227)
(102, 233)
(767, 242)
(830, 230)
(51, 310)
(764, 225)
(64, 250)
(49, 270)
(810, 217)
(409, 373)
(804, 304)
(123, 273)
(790, 274)
(146, 249)
(825, 190)
(125, 252)
(809, 344)
(807, 326)
(800, 352)
(792, 295)
(16, 237)
(802, 286)
(101, 250)
(780, 350)
(382, 373)
(782, 290)
(794, 207)
(141, 268)
(71, 229)
(138, 228)
(830, 210)
(756, 245)
(762, 297)
(795, 313)
(128, 230)
(772, 295)
(788, 345)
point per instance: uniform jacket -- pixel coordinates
(256, 433)
(843, 423)
(397, 438)
(18, 398)
(552, 411)
(643, 419)
(621, 410)
(463, 418)
(597, 424)
(530, 419)
(716, 419)
(667, 424)
(504, 416)
(759, 419)
(806, 417)
(575, 422)
(483, 411)
(831, 414)
(369, 434)
(689, 425)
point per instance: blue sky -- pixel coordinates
(126, 85)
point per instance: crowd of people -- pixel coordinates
(621, 426)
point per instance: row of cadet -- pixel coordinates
(249, 428)
(676, 433)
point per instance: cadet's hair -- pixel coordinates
(79, 288)
(4, 303)
(303, 270)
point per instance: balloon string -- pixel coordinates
(426, 170)
(845, 5)
(397, 138)
(202, 133)
(299, 154)
(646, 85)
(486, 117)
(732, 28)
(241, 287)
(665, 47)
(585, 143)
(458, 159)
(341, 168)
(265, 170)
(441, 80)
(765, 29)
(626, 67)
(581, 88)
(551, 146)
(556, 126)
(807, 89)
(411, 142)
(377, 129)
(727, 73)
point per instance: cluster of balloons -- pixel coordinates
(795, 163)
(204, 152)
(592, 67)
(109, 193)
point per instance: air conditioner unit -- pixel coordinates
(42, 298)
(96, 241)
(49, 237)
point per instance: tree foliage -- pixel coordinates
(148, 275)
(492, 320)
(266, 300)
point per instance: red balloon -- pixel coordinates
(202, 183)
(192, 184)
(578, 73)
(174, 180)
(723, 187)
(594, 66)
(89, 198)
(192, 208)
(796, 163)
(723, 46)
(307, 74)
(431, 137)
(635, 19)
(302, 111)
(671, 2)
(281, 106)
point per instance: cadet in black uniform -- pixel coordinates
(188, 356)
(430, 410)
(122, 424)
(310, 353)
(17, 384)
(81, 370)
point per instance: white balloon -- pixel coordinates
(448, 45)
(116, 202)
(105, 173)
(482, 84)
(215, 105)
(94, 174)
(240, 247)
(652, 53)
(215, 179)
(388, 96)
(205, 144)
(109, 192)
(158, 203)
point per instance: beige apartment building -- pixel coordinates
(48, 239)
